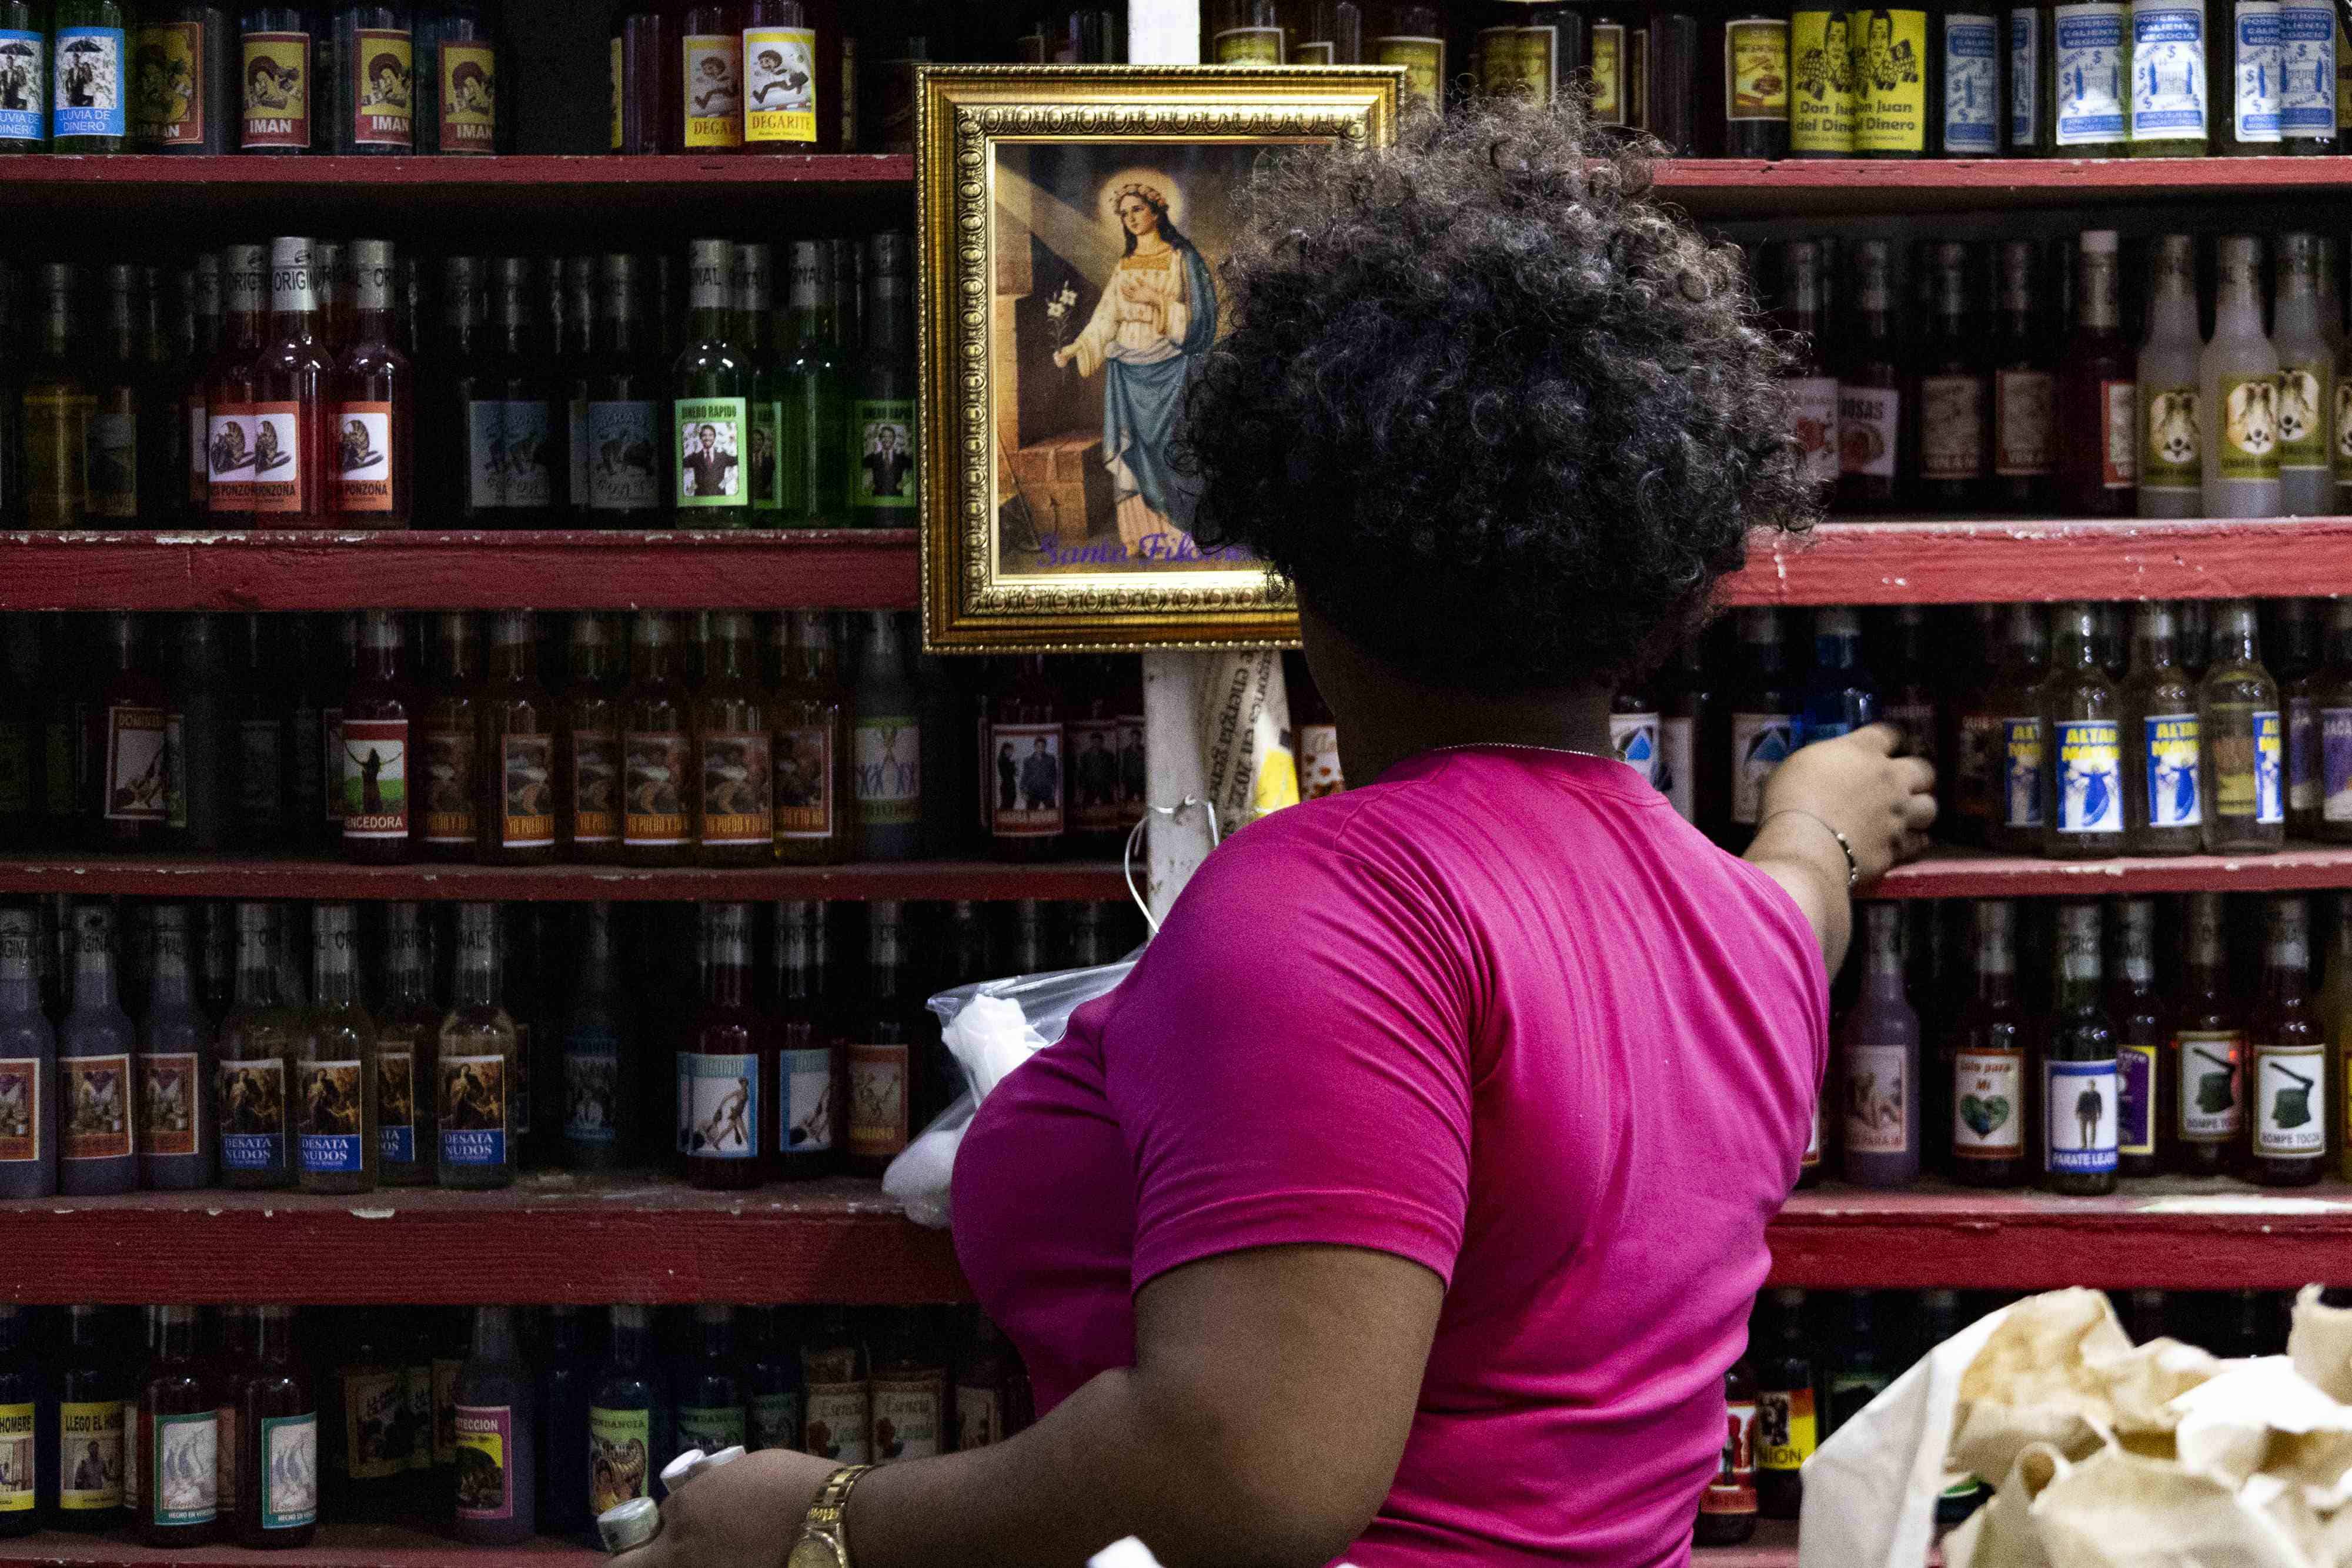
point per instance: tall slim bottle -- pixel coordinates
(2083, 726)
(2296, 665)
(497, 1473)
(119, 465)
(2079, 1066)
(590, 766)
(813, 419)
(888, 758)
(2170, 79)
(1822, 88)
(85, 1436)
(176, 1125)
(2163, 798)
(1765, 716)
(810, 724)
(2287, 1133)
(629, 1413)
(2241, 738)
(1952, 390)
(2333, 1004)
(476, 1087)
(595, 1101)
(56, 409)
(566, 1378)
(335, 1107)
(1785, 1417)
(88, 110)
(712, 1398)
(2308, 84)
(812, 1093)
(374, 432)
(179, 1463)
(1879, 1044)
(294, 445)
(657, 744)
(2306, 394)
(458, 83)
(885, 458)
(2098, 403)
(2332, 696)
(468, 408)
(532, 413)
(710, 398)
(96, 1095)
(407, 1033)
(444, 823)
(734, 775)
(277, 1437)
(752, 289)
(2144, 1109)
(259, 1042)
(1840, 696)
(727, 1072)
(373, 767)
(230, 390)
(1810, 386)
(2024, 392)
(29, 1064)
(1991, 1097)
(516, 809)
(884, 1073)
(2172, 456)
(2239, 380)
(578, 359)
(1873, 451)
(200, 734)
(628, 404)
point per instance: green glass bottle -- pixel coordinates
(23, 79)
(813, 429)
(710, 398)
(885, 448)
(755, 305)
(87, 113)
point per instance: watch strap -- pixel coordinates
(828, 1518)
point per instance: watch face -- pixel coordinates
(814, 1552)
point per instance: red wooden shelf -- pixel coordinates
(1774, 1545)
(1971, 561)
(235, 876)
(1730, 187)
(1960, 874)
(433, 570)
(555, 1237)
(335, 1546)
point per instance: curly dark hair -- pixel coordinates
(1500, 416)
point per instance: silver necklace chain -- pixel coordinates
(1524, 746)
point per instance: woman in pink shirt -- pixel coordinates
(1406, 1204)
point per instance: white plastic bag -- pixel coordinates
(990, 1029)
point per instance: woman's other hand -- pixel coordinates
(743, 1515)
(1883, 803)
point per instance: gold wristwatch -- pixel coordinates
(825, 1537)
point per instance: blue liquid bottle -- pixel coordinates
(1840, 696)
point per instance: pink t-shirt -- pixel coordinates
(1504, 1014)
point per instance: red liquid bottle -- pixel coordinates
(374, 774)
(649, 117)
(230, 393)
(812, 1095)
(658, 748)
(448, 742)
(130, 763)
(293, 436)
(178, 1462)
(734, 777)
(277, 1436)
(375, 392)
(2098, 396)
(589, 760)
(884, 1073)
(727, 1075)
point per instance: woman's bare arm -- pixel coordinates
(1883, 803)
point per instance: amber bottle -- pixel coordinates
(809, 721)
(294, 449)
(658, 748)
(2144, 1108)
(885, 1070)
(2082, 743)
(2163, 800)
(444, 823)
(407, 1028)
(734, 782)
(589, 745)
(2287, 1122)
(179, 1460)
(254, 1070)
(375, 785)
(335, 1125)
(517, 801)
(229, 389)
(374, 435)
(1991, 1101)
(276, 1436)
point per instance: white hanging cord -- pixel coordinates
(1127, 862)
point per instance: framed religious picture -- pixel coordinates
(1073, 220)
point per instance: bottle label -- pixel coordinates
(443, 1422)
(526, 791)
(1634, 739)
(253, 1116)
(2172, 769)
(55, 425)
(709, 440)
(2168, 71)
(1497, 55)
(474, 1101)
(718, 1109)
(1867, 419)
(89, 88)
(803, 781)
(620, 1455)
(327, 1138)
(376, 1408)
(2302, 755)
(1760, 742)
(329, 782)
(136, 759)
(469, 97)
(2020, 772)
(779, 101)
(89, 1455)
(20, 1109)
(1606, 50)
(486, 453)
(2024, 77)
(1756, 69)
(1971, 84)
(882, 456)
(595, 774)
(1951, 427)
(363, 457)
(2269, 798)
(980, 1418)
(16, 1493)
(775, 1421)
(24, 85)
(383, 75)
(1319, 772)
(199, 496)
(1814, 421)
(519, 1083)
(260, 781)
(1989, 1105)
(2090, 777)
(2256, 35)
(656, 788)
(2174, 458)
(2306, 76)
(840, 1418)
(96, 1092)
(878, 1100)
(289, 1471)
(450, 786)
(1890, 56)
(714, 90)
(1026, 779)
(738, 805)
(527, 446)
(395, 1105)
(806, 1125)
(485, 1454)
(2303, 416)
(2081, 1096)
(2094, 52)
(228, 451)
(1785, 1428)
(2335, 765)
(374, 777)
(111, 445)
(1424, 60)
(277, 91)
(907, 1419)
(1877, 1111)
(887, 767)
(170, 1102)
(2120, 469)
(2024, 423)
(187, 1468)
(2289, 1096)
(2136, 1099)
(710, 1427)
(1733, 1488)
(623, 470)
(592, 1084)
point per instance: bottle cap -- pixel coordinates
(679, 1470)
(630, 1524)
(2099, 242)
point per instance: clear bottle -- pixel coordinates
(175, 1058)
(257, 1045)
(294, 445)
(475, 1068)
(2083, 726)
(2237, 379)
(2144, 1109)
(375, 436)
(2024, 769)
(28, 1063)
(596, 1102)
(886, 762)
(2163, 793)
(405, 1036)
(1879, 1044)
(497, 1475)
(2240, 730)
(2306, 411)
(2172, 455)
(2287, 1133)
(96, 1095)
(335, 1105)
(2098, 402)
(2079, 1066)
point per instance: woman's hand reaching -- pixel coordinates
(1856, 786)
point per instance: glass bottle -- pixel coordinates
(589, 766)
(405, 1037)
(327, 660)
(791, 48)
(629, 1413)
(529, 492)
(458, 83)
(1840, 695)
(2144, 1108)
(2205, 1054)
(178, 1461)
(711, 91)
(24, 1421)
(910, 1389)
(752, 292)
(1821, 100)
(2079, 1066)
(468, 401)
(1858, 1375)
(885, 451)
(2331, 694)
(735, 796)
(288, 102)
(566, 1384)
(2296, 668)
(884, 1072)
(275, 1431)
(2086, 62)
(258, 1041)
(115, 419)
(260, 760)
(1809, 388)
(445, 825)
(2172, 459)
(374, 734)
(1891, 116)
(812, 1090)
(2082, 725)
(809, 724)
(711, 386)
(1027, 745)
(86, 96)
(594, 1098)
(336, 1086)
(576, 363)
(711, 1398)
(474, 1063)
(57, 408)
(87, 1457)
(657, 739)
(229, 389)
(1879, 1045)
(295, 451)
(2023, 771)
(2334, 1002)
(1765, 713)
(376, 53)
(2307, 392)
(772, 1377)
(129, 742)
(2309, 86)
(2239, 378)
(517, 793)
(627, 404)
(2240, 731)
(497, 1477)
(1744, 84)
(2168, 87)
(2163, 800)
(812, 411)
(2098, 403)
(95, 1096)
(2287, 1134)
(1873, 455)
(2023, 390)
(369, 1438)
(727, 1072)
(887, 774)
(175, 1131)
(840, 1419)
(28, 1063)
(374, 396)
(1787, 1428)
(1990, 1099)
(1953, 389)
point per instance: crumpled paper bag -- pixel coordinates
(2108, 1454)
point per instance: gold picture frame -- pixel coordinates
(1063, 303)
